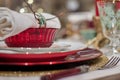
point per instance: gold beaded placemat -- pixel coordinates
(94, 64)
(97, 63)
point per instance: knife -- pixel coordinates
(65, 73)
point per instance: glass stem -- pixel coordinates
(114, 44)
(114, 51)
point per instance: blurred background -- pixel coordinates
(77, 21)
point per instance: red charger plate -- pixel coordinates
(46, 58)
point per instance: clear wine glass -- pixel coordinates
(109, 12)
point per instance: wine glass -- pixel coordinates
(109, 12)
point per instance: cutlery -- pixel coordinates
(81, 53)
(113, 61)
(65, 73)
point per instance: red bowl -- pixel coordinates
(32, 37)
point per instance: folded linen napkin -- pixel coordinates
(12, 22)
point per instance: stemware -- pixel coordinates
(109, 12)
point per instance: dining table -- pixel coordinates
(106, 74)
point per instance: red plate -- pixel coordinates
(48, 58)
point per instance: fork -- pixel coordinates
(113, 61)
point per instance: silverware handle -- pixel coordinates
(65, 73)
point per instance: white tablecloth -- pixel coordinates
(86, 76)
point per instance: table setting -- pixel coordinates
(28, 50)
(38, 69)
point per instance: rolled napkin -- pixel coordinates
(12, 22)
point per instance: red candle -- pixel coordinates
(117, 5)
(96, 8)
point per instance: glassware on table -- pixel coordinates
(109, 12)
(33, 37)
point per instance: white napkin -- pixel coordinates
(12, 22)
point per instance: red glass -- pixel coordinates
(117, 5)
(96, 8)
(32, 37)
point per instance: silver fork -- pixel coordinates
(113, 61)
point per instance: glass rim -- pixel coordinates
(109, 0)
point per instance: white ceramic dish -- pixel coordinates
(54, 48)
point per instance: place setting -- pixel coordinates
(53, 61)
(42, 63)
(32, 44)
(30, 48)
